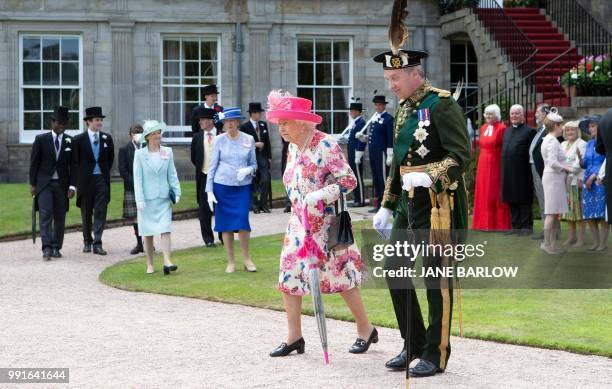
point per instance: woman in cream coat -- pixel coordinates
(553, 180)
(156, 187)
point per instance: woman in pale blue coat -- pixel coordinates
(228, 184)
(156, 187)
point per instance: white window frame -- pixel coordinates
(180, 38)
(27, 137)
(332, 39)
(469, 85)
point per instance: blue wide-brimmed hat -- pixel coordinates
(231, 113)
(584, 122)
(150, 126)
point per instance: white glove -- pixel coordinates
(177, 199)
(382, 222)
(358, 157)
(140, 205)
(415, 179)
(313, 198)
(211, 201)
(243, 172)
(389, 156)
(362, 137)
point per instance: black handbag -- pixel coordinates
(341, 228)
(172, 196)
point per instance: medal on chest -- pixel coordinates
(421, 133)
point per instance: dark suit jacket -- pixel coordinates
(197, 159)
(604, 147)
(537, 154)
(195, 124)
(264, 136)
(43, 162)
(126, 165)
(517, 182)
(84, 162)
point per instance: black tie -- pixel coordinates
(56, 143)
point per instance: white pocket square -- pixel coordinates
(105, 145)
(67, 149)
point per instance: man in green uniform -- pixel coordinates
(431, 150)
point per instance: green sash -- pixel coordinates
(404, 139)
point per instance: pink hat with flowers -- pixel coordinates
(283, 105)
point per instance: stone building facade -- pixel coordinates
(141, 59)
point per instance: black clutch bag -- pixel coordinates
(341, 228)
(172, 196)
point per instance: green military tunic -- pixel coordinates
(440, 148)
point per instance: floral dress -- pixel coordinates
(320, 166)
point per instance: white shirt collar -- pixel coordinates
(59, 137)
(213, 131)
(207, 106)
(93, 133)
(254, 123)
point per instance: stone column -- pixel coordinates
(259, 51)
(122, 81)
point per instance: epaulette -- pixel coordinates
(440, 92)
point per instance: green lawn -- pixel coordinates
(16, 205)
(573, 320)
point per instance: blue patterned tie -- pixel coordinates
(96, 150)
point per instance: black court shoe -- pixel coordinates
(168, 269)
(361, 346)
(285, 349)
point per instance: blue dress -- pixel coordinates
(594, 200)
(154, 178)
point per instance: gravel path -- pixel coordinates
(57, 314)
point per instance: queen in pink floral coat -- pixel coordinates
(316, 171)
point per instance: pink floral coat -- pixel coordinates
(320, 166)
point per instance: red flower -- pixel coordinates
(218, 108)
(325, 286)
(588, 67)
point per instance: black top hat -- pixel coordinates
(93, 112)
(209, 90)
(403, 59)
(205, 113)
(380, 99)
(356, 107)
(60, 115)
(255, 107)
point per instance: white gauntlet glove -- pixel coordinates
(382, 222)
(243, 172)
(362, 137)
(313, 198)
(211, 201)
(415, 179)
(358, 157)
(389, 156)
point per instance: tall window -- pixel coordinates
(50, 75)
(464, 67)
(325, 75)
(189, 64)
